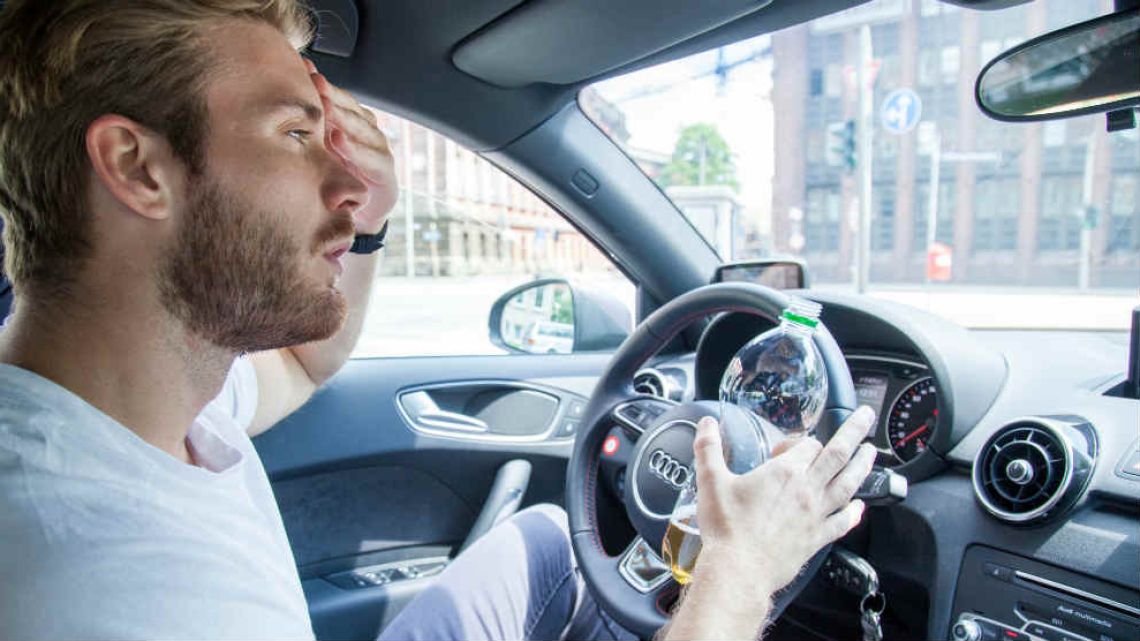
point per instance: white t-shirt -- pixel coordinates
(102, 535)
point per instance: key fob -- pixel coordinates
(850, 572)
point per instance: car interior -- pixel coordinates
(397, 465)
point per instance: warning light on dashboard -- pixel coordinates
(610, 445)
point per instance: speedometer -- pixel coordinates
(913, 419)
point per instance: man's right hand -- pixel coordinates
(769, 522)
(759, 529)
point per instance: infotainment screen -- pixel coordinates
(871, 390)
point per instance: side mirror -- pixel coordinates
(1090, 67)
(784, 273)
(551, 316)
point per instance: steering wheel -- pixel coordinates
(635, 586)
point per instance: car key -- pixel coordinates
(856, 575)
(870, 617)
(882, 487)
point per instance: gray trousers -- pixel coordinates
(519, 581)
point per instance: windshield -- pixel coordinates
(992, 224)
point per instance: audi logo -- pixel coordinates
(669, 469)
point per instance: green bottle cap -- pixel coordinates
(802, 320)
(803, 312)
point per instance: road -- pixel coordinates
(449, 316)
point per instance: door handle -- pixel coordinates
(452, 421)
(423, 410)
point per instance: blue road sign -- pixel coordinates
(901, 111)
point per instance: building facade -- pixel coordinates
(1011, 219)
(468, 217)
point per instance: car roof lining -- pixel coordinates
(416, 77)
(602, 36)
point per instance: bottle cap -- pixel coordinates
(803, 312)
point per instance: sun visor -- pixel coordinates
(560, 42)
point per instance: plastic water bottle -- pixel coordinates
(774, 388)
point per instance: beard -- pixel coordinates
(234, 276)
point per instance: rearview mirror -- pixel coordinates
(552, 316)
(1090, 67)
(777, 274)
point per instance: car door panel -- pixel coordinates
(331, 515)
(361, 484)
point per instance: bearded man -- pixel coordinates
(191, 217)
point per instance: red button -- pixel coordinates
(610, 445)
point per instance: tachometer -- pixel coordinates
(913, 419)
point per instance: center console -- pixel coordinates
(1012, 598)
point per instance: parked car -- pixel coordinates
(545, 337)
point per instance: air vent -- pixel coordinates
(650, 382)
(1034, 467)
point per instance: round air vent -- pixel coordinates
(651, 382)
(1034, 467)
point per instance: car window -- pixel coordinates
(992, 224)
(475, 234)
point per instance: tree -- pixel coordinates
(700, 157)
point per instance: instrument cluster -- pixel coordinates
(905, 399)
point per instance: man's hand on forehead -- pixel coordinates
(352, 133)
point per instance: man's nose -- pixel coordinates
(342, 190)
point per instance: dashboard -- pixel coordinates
(904, 397)
(899, 367)
(977, 551)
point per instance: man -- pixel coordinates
(179, 189)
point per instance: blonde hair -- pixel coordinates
(64, 63)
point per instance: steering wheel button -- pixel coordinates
(610, 445)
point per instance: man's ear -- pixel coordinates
(136, 165)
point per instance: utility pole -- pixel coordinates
(932, 203)
(1087, 215)
(433, 210)
(866, 139)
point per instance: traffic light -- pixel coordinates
(841, 145)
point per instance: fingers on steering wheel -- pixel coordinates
(708, 455)
(839, 449)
